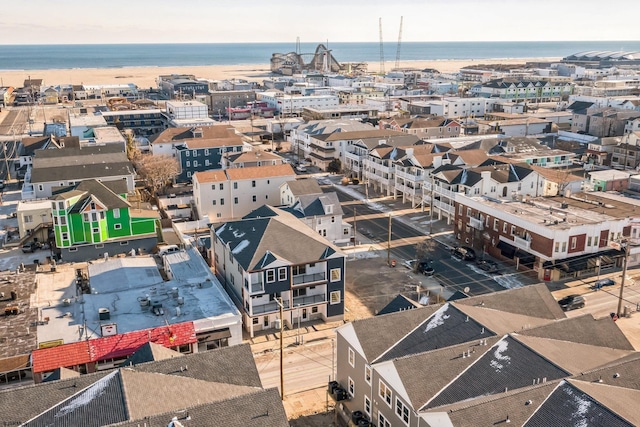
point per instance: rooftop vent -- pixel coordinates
(104, 314)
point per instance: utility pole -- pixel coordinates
(389, 243)
(624, 274)
(355, 228)
(279, 301)
(431, 207)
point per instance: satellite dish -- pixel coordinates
(466, 290)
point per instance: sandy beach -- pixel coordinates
(145, 77)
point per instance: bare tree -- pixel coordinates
(157, 170)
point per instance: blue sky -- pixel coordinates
(223, 21)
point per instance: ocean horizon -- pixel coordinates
(80, 56)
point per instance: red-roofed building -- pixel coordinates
(109, 352)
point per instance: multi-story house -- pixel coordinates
(625, 156)
(142, 122)
(461, 364)
(263, 271)
(557, 237)
(524, 90)
(321, 211)
(222, 195)
(609, 180)
(69, 166)
(293, 104)
(424, 127)
(248, 159)
(94, 218)
(198, 148)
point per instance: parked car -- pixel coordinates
(31, 247)
(301, 168)
(488, 266)
(464, 252)
(571, 302)
(423, 266)
(167, 249)
(603, 282)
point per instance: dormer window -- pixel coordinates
(329, 209)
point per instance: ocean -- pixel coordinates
(38, 57)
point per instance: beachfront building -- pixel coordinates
(93, 218)
(232, 193)
(261, 269)
(182, 86)
(293, 105)
(127, 90)
(524, 90)
(187, 110)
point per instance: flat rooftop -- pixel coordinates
(122, 286)
(579, 209)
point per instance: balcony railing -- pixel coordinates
(309, 300)
(409, 176)
(521, 243)
(268, 308)
(303, 279)
(257, 287)
(476, 223)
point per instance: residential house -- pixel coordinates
(600, 151)
(70, 166)
(511, 357)
(557, 237)
(29, 145)
(524, 90)
(222, 195)
(197, 149)
(220, 386)
(6, 95)
(625, 156)
(292, 104)
(93, 218)
(524, 150)
(50, 96)
(517, 127)
(602, 122)
(424, 127)
(265, 273)
(253, 158)
(304, 199)
(34, 219)
(609, 180)
(143, 122)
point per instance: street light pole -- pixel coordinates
(279, 301)
(389, 243)
(624, 274)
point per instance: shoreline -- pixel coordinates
(145, 76)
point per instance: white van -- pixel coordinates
(167, 249)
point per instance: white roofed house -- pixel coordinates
(222, 195)
(261, 267)
(321, 211)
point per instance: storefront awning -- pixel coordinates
(506, 249)
(583, 262)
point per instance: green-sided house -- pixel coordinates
(93, 218)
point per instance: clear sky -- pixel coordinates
(228, 21)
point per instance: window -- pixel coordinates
(468, 211)
(116, 213)
(573, 242)
(564, 246)
(213, 202)
(235, 185)
(384, 392)
(367, 406)
(504, 227)
(334, 297)
(65, 236)
(282, 273)
(335, 274)
(28, 218)
(186, 153)
(271, 276)
(253, 183)
(513, 230)
(95, 230)
(495, 225)
(235, 200)
(188, 163)
(124, 243)
(403, 411)
(63, 220)
(117, 226)
(314, 309)
(221, 202)
(557, 247)
(221, 186)
(255, 320)
(589, 241)
(367, 374)
(352, 357)
(459, 209)
(382, 421)
(213, 186)
(352, 387)
(254, 198)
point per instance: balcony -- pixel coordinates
(476, 223)
(254, 288)
(309, 300)
(521, 243)
(405, 189)
(307, 279)
(270, 307)
(409, 176)
(446, 193)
